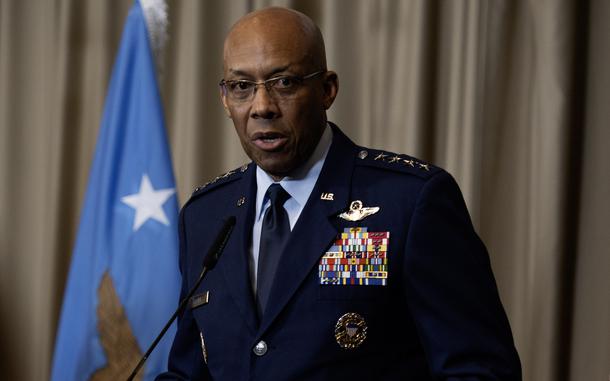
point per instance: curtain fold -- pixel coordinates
(509, 96)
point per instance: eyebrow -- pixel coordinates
(273, 71)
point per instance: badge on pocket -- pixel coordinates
(350, 330)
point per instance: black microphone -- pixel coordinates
(208, 264)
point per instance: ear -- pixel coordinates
(330, 87)
(223, 98)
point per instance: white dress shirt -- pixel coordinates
(299, 186)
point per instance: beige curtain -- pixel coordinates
(509, 96)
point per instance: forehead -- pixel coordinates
(256, 47)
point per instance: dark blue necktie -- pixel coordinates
(274, 234)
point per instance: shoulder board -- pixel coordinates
(225, 178)
(395, 162)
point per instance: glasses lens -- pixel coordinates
(284, 83)
(240, 90)
(284, 87)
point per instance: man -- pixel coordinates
(346, 263)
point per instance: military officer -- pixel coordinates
(346, 263)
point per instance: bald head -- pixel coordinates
(278, 124)
(280, 28)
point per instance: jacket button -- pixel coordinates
(260, 348)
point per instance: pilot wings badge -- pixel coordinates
(357, 212)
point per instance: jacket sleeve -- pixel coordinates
(186, 360)
(451, 291)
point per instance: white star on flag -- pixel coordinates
(148, 203)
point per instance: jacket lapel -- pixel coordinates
(305, 247)
(234, 263)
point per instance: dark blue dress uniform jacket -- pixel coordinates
(438, 318)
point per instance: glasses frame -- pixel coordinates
(267, 83)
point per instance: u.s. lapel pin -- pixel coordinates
(327, 196)
(241, 201)
(358, 212)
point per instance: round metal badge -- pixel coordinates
(350, 330)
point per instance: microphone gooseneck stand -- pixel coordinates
(208, 264)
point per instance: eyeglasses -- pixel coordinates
(282, 87)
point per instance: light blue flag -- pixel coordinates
(125, 261)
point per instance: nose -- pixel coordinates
(264, 105)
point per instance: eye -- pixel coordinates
(240, 86)
(285, 82)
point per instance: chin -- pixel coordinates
(278, 168)
(277, 162)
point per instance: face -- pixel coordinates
(277, 134)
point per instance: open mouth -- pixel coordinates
(269, 141)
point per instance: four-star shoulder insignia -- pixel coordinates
(219, 178)
(396, 161)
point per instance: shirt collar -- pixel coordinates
(300, 185)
